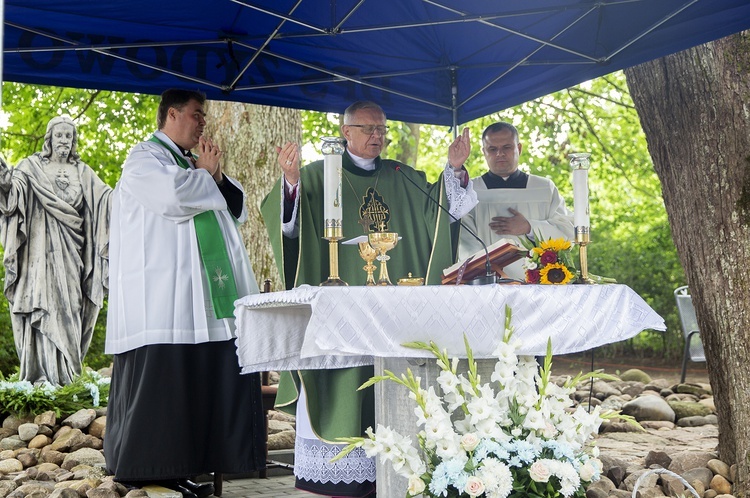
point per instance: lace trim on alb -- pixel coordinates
(460, 200)
(312, 462)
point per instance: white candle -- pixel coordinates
(581, 197)
(332, 209)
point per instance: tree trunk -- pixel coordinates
(248, 135)
(694, 107)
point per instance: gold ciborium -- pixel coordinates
(367, 253)
(383, 242)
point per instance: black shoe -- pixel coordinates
(175, 485)
(202, 490)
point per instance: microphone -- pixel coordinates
(490, 276)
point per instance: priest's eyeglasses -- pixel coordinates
(370, 129)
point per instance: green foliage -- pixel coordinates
(89, 390)
(108, 123)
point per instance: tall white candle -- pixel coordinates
(332, 209)
(581, 197)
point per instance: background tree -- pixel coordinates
(694, 111)
(249, 134)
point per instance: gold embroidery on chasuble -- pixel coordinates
(375, 210)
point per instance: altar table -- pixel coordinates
(335, 327)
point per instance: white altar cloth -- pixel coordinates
(335, 327)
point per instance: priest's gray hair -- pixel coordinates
(358, 106)
(46, 153)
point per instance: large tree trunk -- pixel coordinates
(695, 110)
(248, 134)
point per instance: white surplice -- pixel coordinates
(539, 202)
(162, 296)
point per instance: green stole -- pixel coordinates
(213, 251)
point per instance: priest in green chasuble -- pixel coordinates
(376, 196)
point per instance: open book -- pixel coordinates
(502, 253)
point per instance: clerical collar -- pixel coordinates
(517, 179)
(361, 162)
(183, 151)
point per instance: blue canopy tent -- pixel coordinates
(427, 61)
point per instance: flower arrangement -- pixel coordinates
(549, 261)
(516, 437)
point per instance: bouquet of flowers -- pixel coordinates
(515, 437)
(549, 261)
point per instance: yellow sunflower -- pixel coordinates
(556, 273)
(556, 245)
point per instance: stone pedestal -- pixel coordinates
(394, 408)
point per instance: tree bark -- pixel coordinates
(694, 107)
(249, 134)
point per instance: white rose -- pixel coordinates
(416, 486)
(474, 486)
(587, 472)
(469, 441)
(539, 472)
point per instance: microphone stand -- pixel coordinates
(490, 276)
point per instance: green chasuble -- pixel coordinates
(335, 407)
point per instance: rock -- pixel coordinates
(86, 456)
(693, 389)
(710, 493)
(52, 456)
(709, 402)
(27, 431)
(686, 460)
(27, 459)
(284, 417)
(6, 487)
(605, 388)
(684, 409)
(659, 458)
(721, 485)
(12, 422)
(101, 493)
(276, 426)
(80, 419)
(694, 421)
(10, 465)
(614, 403)
(282, 440)
(648, 480)
(604, 484)
(71, 438)
(636, 375)
(698, 487)
(701, 474)
(593, 492)
(64, 493)
(136, 493)
(98, 427)
(649, 408)
(12, 443)
(47, 418)
(633, 389)
(657, 424)
(672, 486)
(712, 419)
(39, 441)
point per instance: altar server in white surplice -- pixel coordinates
(178, 405)
(512, 203)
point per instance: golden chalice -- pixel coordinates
(367, 253)
(383, 242)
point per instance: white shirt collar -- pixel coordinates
(362, 163)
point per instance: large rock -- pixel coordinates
(683, 409)
(649, 408)
(686, 460)
(636, 375)
(27, 431)
(80, 419)
(86, 456)
(70, 439)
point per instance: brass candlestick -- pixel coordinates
(383, 242)
(582, 239)
(333, 149)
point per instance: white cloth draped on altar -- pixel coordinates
(336, 327)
